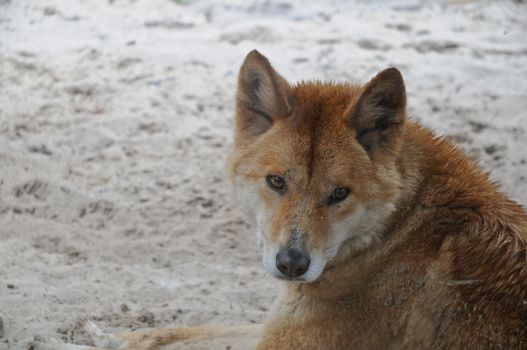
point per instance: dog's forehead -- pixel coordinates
(318, 143)
(316, 102)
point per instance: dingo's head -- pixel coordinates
(314, 165)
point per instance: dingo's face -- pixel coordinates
(313, 165)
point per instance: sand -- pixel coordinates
(116, 121)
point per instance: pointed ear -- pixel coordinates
(263, 95)
(379, 114)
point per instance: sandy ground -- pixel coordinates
(116, 119)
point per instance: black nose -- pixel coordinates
(292, 262)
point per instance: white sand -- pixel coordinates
(115, 123)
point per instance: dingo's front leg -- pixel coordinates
(234, 337)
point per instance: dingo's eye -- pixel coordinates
(339, 195)
(276, 182)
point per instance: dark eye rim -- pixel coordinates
(337, 199)
(269, 181)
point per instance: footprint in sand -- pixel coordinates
(36, 188)
(101, 207)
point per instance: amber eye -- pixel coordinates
(339, 195)
(276, 182)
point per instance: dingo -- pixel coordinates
(386, 236)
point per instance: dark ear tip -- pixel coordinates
(255, 55)
(393, 70)
(254, 52)
(391, 73)
(255, 58)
